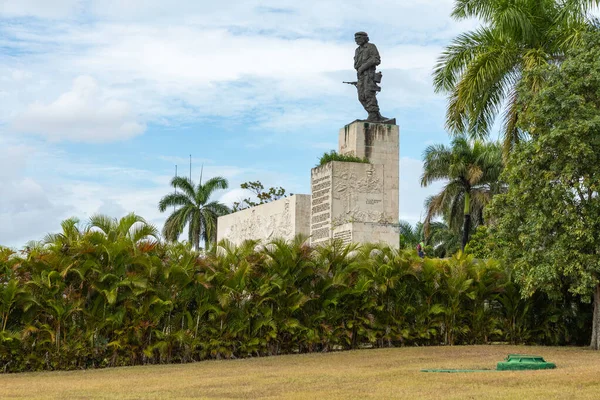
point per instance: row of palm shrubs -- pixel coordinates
(113, 295)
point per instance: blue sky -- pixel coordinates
(100, 99)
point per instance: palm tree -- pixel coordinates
(410, 236)
(442, 239)
(472, 172)
(480, 70)
(69, 237)
(195, 210)
(131, 227)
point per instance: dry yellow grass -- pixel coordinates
(364, 374)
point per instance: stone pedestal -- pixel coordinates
(380, 144)
(358, 202)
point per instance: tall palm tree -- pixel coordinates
(195, 210)
(472, 172)
(481, 69)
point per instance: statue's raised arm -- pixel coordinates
(366, 59)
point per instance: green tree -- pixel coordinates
(472, 172)
(69, 237)
(131, 227)
(263, 196)
(195, 210)
(549, 220)
(440, 241)
(481, 69)
(410, 236)
(443, 241)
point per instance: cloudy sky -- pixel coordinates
(100, 99)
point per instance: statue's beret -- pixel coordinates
(361, 33)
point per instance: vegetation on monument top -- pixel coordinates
(334, 156)
(272, 194)
(481, 69)
(549, 220)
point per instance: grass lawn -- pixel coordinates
(363, 374)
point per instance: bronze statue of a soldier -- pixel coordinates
(366, 59)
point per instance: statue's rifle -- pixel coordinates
(351, 83)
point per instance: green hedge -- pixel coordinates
(99, 300)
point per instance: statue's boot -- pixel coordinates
(375, 116)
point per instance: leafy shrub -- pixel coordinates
(334, 156)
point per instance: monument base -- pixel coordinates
(367, 232)
(358, 202)
(386, 121)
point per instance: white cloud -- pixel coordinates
(235, 195)
(84, 114)
(12, 160)
(419, 18)
(25, 206)
(230, 60)
(39, 8)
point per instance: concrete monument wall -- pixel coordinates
(283, 218)
(367, 232)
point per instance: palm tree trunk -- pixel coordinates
(467, 223)
(197, 237)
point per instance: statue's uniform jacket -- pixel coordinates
(367, 54)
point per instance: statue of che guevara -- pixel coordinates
(366, 59)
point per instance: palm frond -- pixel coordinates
(437, 160)
(185, 184)
(174, 200)
(483, 9)
(175, 224)
(218, 209)
(453, 61)
(103, 222)
(143, 231)
(204, 191)
(127, 222)
(481, 89)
